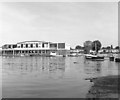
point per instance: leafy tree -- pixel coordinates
(108, 47)
(78, 47)
(96, 45)
(117, 47)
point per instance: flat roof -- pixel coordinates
(31, 41)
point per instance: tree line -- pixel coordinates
(95, 46)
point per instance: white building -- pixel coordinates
(35, 48)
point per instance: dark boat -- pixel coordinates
(111, 58)
(98, 58)
(117, 59)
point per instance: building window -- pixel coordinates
(61, 45)
(31, 45)
(36, 45)
(54, 45)
(14, 46)
(43, 45)
(46, 45)
(9, 46)
(26, 45)
(39, 51)
(21, 45)
(43, 51)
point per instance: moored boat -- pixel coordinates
(111, 58)
(53, 54)
(73, 55)
(94, 57)
(89, 56)
(117, 59)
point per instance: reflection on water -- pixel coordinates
(93, 67)
(51, 76)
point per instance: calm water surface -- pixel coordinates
(49, 77)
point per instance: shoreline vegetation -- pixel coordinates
(104, 87)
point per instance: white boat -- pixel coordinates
(73, 55)
(94, 57)
(53, 54)
(89, 56)
(22, 55)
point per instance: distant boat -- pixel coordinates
(111, 58)
(117, 59)
(73, 55)
(53, 54)
(94, 57)
(22, 55)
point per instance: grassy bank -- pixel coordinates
(104, 87)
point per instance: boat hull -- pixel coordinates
(117, 59)
(98, 58)
(111, 58)
(95, 58)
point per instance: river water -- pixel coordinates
(51, 77)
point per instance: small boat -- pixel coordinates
(117, 59)
(22, 55)
(73, 55)
(98, 58)
(94, 57)
(53, 54)
(89, 56)
(111, 58)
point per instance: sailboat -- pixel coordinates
(94, 57)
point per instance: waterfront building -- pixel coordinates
(30, 48)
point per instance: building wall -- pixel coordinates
(32, 47)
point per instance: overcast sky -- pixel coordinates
(73, 23)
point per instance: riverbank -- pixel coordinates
(105, 87)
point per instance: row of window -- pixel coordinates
(54, 45)
(31, 46)
(34, 51)
(9, 46)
